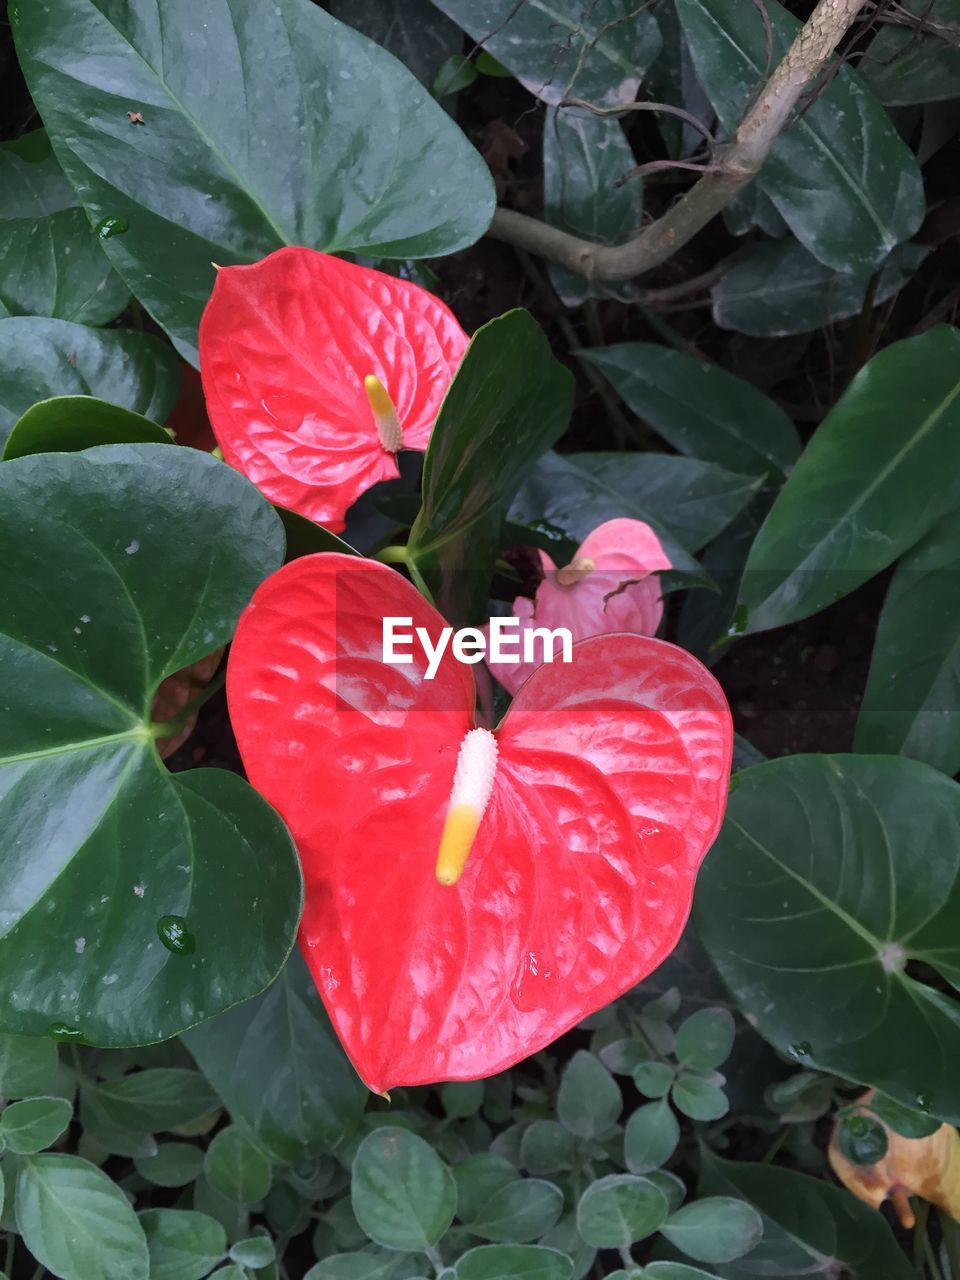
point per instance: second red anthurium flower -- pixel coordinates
(317, 372)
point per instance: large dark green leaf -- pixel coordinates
(509, 401)
(559, 48)
(849, 193)
(912, 700)
(777, 288)
(120, 566)
(51, 263)
(878, 474)
(412, 30)
(41, 358)
(904, 65)
(583, 157)
(809, 1227)
(264, 125)
(67, 424)
(279, 1069)
(699, 408)
(832, 874)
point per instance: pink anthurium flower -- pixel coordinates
(317, 372)
(609, 585)
(471, 893)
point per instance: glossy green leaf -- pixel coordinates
(27, 1065)
(51, 262)
(705, 1039)
(589, 1101)
(752, 207)
(875, 478)
(176, 1164)
(848, 194)
(513, 1262)
(903, 1120)
(77, 1222)
(777, 288)
(34, 1124)
(911, 704)
(509, 402)
(806, 1220)
(558, 49)
(138, 563)
(715, 1229)
(412, 30)
(584, 156)
(699, 408)
(906, 65)
(41, 358)
(548, 1147)
(616, 1211)
(519, 1212)
(831, 873)
(650, 1137)
(236, 1167)
(402, 1193)
(280, 1070)
(263, 126)
(699, 1099)
(183, 1245)
(67, 424)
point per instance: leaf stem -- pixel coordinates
(170, 728)
(920, 1236)
(393, 555)
(951, 1241)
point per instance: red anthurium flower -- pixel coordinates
(609, 585)
(317, 372)
(472, 894)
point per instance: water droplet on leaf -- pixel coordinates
(802, 1049)
(924, 1101)
(175, 936)
(114, 226)
(65, 1032)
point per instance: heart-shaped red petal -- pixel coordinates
(285, 346)
(610, 787)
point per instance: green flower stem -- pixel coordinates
(170, 728)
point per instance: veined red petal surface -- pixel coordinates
(285, 345)
(610, 787)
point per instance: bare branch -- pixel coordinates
(737, 164)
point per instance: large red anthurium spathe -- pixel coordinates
(472, 894)
(317, 372)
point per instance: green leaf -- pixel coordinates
(800, 1098)
(461, 1098)
(42, 358)
(77, 1222)
(236, 1167)
(862, 1140)
(717, 1229)
(616, 1211)
(34, 1124)
(456, 74)
(269, 126)
(653, 1079)
(831, 874)
(672, 1187)
(650, 1137)
(510, 400)
(911, 705)
(478, 1178)
(155, 1100)
(354, 1266)
(571, 497)
(412, 30)
(176, 1164)
(878, 474)
(280, 1070)
(777, 288)
(51, 263)
(27, 1065)
(906, 65)
(256, 1251)
(559, 49)
(589, 1100)
(183, 1245)
(402, 1193)
(705, 1039)
(513, 1262)
(67, 424)
(584, 156)
(517, 1213)
(138, 563)
(699, 408)
(901, 1119)
(848, 194)
(699, 1099)
(548, 1147)
(806, 1220)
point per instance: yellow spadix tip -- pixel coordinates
(384, 414)
(459, 833)
(472, 786)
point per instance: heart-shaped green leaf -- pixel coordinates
(139, 901)
(67, 424)
(830, 875)
(262, 126)
(848, 194)
(42, 358)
